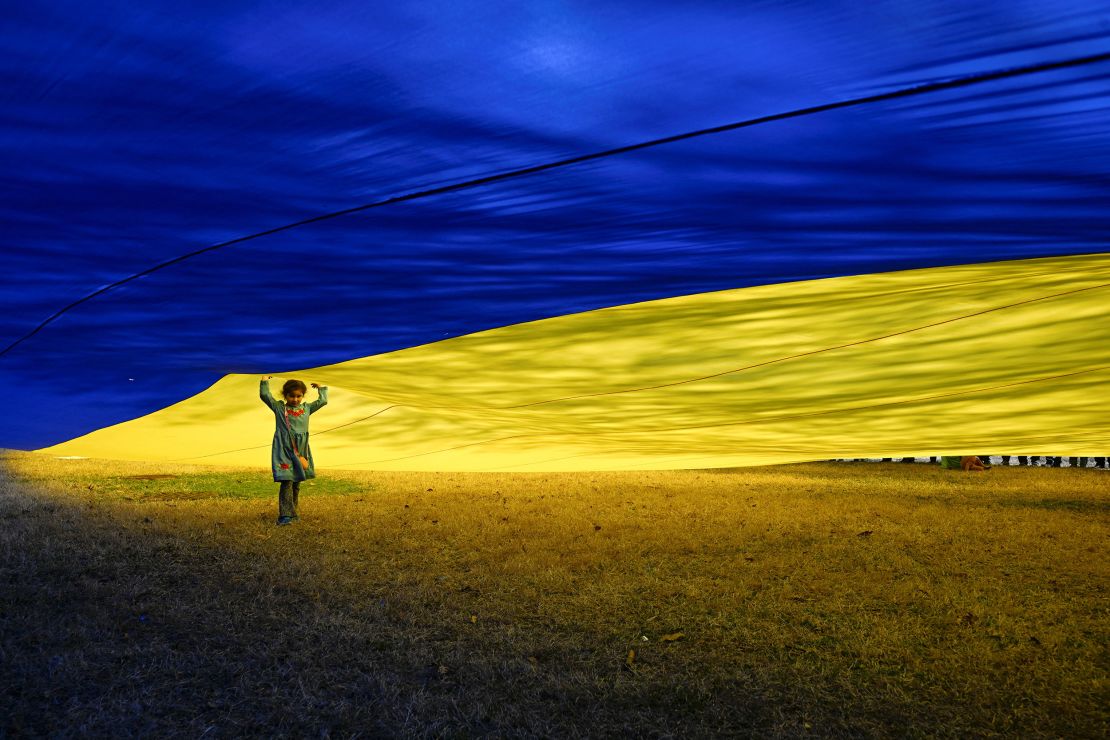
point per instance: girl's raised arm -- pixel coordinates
(264, 391)
(321, 401)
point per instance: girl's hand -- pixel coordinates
(267, 377)
(315, 385)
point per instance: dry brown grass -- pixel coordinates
(822, 599)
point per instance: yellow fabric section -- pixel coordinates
(1007, 357)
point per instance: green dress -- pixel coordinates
(285, 464)
(950, 463)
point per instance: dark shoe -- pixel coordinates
(284, 520)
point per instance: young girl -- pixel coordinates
(291, 441)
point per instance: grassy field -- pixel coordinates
(885, 600)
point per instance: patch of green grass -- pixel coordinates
(213, 485)
(105, 480)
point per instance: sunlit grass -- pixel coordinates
(823, 599)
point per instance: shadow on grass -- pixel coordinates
(120, 625)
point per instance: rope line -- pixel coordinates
(259, 447)
(951, 84)
(812, 352)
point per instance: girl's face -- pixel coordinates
(294, 397)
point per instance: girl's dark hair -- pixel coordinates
(293, 385)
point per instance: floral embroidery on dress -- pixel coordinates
(296, 412)
(285, 466)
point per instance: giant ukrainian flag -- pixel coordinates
(559, 236)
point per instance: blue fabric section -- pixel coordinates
(130, 138)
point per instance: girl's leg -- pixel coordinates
(296, 493)
(285, 500)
